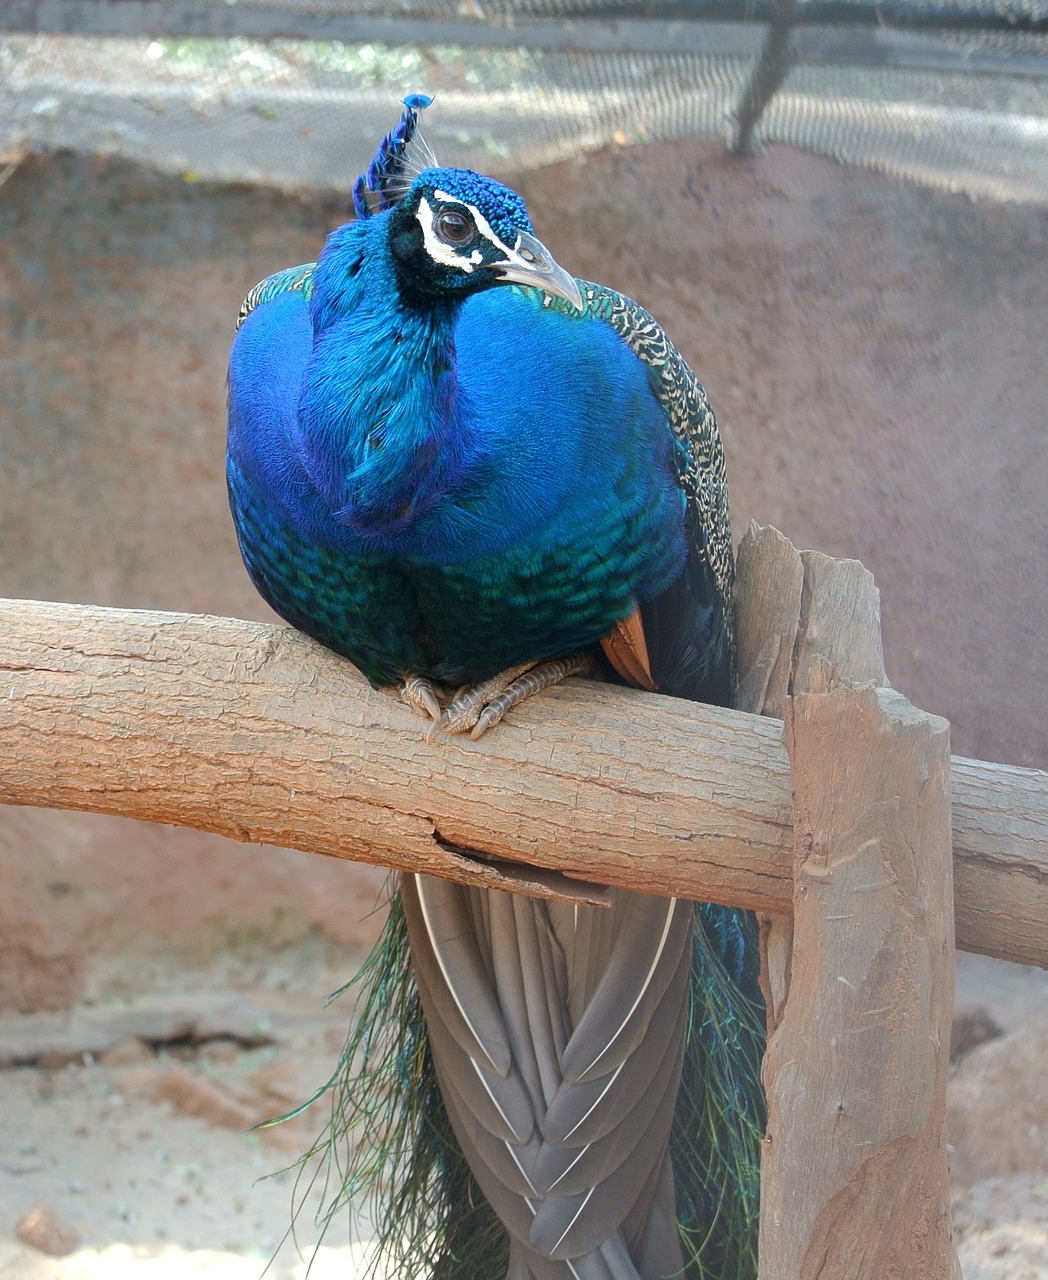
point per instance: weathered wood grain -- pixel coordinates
(854, 1176)
(854, 1180)
(769, 589)
(769, 581)
(254, 731)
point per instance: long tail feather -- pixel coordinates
(390, 1154)
(720, 1117)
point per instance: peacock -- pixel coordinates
(473, 475)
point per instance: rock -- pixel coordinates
(41, 1228)
(971, 1028)
(53, 1039)
(220, 1049)
(204, 1098)
(996, 1110)
(56, 1059)
(132, 1052)
(276, 1084)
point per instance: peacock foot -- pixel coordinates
(423, 695)
(479, 706)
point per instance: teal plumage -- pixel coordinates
(448, 459)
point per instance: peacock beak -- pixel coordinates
(529, 262)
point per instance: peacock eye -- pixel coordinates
(454, 227)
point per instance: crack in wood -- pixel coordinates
(523, 878)
(1005, 862)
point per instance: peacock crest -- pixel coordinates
(397, 161)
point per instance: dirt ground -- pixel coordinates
(132, 1124)
(128, 1119)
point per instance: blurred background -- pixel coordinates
(839, 212)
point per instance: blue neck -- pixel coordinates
(382, 436)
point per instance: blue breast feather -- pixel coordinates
(529, 477)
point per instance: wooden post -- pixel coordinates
(855, 1182)
(768, 591)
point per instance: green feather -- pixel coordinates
(387, 1151)
(290, 280)
(719, 1122)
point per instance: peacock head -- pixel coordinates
(452, 232)
(456, 232)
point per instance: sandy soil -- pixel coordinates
(138, 1142)
(130, 1124)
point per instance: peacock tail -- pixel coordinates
(388, 1155)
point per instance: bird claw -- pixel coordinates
(423, 695)
(475, 708)
(483, 705)
(470, 703)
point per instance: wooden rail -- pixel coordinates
(253, 731)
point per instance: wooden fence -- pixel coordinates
(860, 841)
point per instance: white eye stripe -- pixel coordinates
(482, 224)
(436, 248)
(443, 253)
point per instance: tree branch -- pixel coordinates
(253, 731)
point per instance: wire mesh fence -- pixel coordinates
(293, 92)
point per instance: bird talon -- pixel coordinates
(423, 695)
(490, 715)
(469, 705)
(485, 704)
